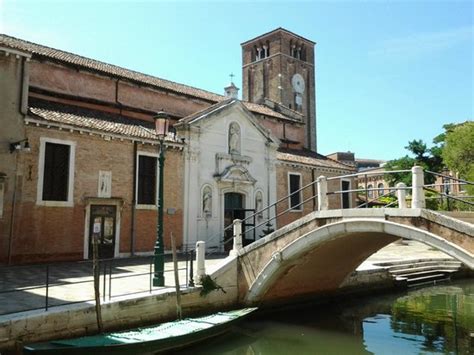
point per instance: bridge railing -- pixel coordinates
(320, 198)
(445, 189)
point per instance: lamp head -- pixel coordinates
(161, 124)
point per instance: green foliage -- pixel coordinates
(428, 158)
(458, 151)
(404, 163)
(209, 285)
(387, 200)
(432, 200)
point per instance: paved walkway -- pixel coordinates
(23, 287)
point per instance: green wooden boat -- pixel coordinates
(146, 340)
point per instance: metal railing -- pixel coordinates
(362, 193)
(446, 186)
(66, 283)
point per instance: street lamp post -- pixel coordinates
(161, 128)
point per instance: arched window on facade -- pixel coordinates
(292, 50)
(381, 189)
(370, 193)
(261, 52)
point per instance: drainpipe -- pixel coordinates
(12, 217)
(23, 109)
(134, 202)
(25, 86)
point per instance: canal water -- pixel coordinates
(430, 320)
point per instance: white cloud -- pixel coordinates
(422, 43)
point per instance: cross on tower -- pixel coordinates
(232, 77)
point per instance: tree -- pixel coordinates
(458, 150)
(404, 163)
(429, 159)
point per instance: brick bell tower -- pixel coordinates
(278, 70)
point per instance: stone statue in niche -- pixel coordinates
(105, 184)
(207, 202)
(234, 138)
(259, 204)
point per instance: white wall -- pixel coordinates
(206, 156)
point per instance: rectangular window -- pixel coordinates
(146, 191)
(294, 182)
(346, 197)
(56, 172)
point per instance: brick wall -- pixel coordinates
(45, 233)
(306, 178)
(67, 81)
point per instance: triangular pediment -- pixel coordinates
(235, 174)
(205, 117)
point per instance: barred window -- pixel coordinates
(56, 172)
(146, 180)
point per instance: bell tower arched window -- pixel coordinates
(261, 52)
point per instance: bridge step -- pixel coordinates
(426, 279)
(412, 276)
(415, 269)
(410, 265)
(422, 271)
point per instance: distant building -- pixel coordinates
(374, 182)
(349, 158)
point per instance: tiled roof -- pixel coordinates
(309, 157)
(264, 110)
(93, 120)
(109, 69)
(105, 68)
(213, 108)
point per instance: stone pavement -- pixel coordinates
(23, 287)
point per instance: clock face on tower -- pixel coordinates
(297, 82)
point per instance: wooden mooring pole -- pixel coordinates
(176, 278)
(96, 272)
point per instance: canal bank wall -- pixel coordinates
(80, 319)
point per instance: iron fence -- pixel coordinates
(41, 287)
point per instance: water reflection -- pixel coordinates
(434, 320)
(443, 317)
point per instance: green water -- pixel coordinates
(430, 320)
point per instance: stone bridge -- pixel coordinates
(313, 255)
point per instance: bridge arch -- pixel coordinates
(329, 253)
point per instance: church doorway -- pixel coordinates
(234, 209)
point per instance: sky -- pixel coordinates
(387, 72)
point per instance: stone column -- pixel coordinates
(322, 183)
(418, 180)
(237, 237)
(401, 195)
(200, 261)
